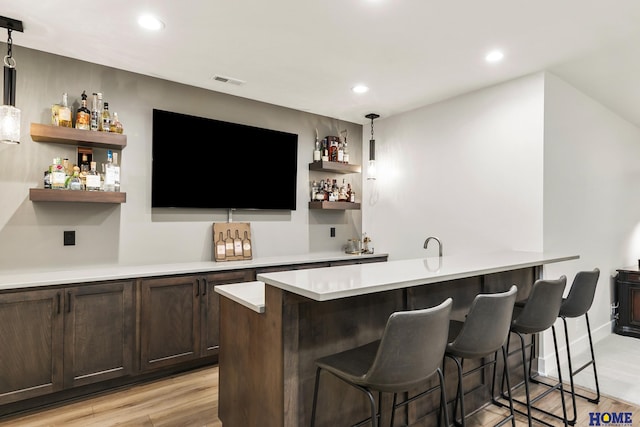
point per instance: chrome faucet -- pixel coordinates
(426, 244)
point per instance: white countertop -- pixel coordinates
(249, 294)
(46, 277)
(322, 284)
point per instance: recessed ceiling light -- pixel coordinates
(494, 56)
(360, 89)
(149, 22)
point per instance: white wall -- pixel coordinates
(467, 170)
(531, 164)
(591, 175)
(31, 234)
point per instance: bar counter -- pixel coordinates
(272, 330)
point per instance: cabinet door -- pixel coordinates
(210, 307)
(30, 344)
(169, 321)
(98, 332)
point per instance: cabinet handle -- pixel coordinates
(58, 295)
(69, 302)
(197, 287)
(204, 288)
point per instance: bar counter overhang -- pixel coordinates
(271, 334)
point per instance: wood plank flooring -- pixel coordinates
(191, 400)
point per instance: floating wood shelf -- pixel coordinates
(333, 205)
(72, 136)
(47, 195)
(335, 167)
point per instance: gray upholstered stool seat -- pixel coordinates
(538, 314)
(409, 353)
(483, 333)
(577, 304)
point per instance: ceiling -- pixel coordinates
(308, 54)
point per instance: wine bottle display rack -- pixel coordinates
(232, 241)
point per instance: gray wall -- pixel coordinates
(31, 234)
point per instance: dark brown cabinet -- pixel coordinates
(68, 340)
(628, 302)
(31, 340)
(179, 317)
(56, 339)
(98, 333)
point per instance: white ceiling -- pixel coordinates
(307, 54)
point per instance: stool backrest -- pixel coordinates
(411, 348)
(486, 326)
(542, 307)
(581, 294)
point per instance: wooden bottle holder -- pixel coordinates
(228, 229)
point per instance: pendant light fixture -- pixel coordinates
(9, 114)
(371, 170)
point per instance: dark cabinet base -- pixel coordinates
(628, 301)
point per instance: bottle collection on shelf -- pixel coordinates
(63, 175)
(98, 118)
(328, 190)
(331, 149)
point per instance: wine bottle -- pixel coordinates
(228, 244)
(246, 246)
(237, 245)
(221, 251)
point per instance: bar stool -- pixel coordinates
(483, 333)
(538, 314)
(409, 353)
(576, 304)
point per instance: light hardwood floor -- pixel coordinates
(191, 400)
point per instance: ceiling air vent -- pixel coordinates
(223, 79)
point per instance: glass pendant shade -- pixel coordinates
(371, 169)
(9, 124)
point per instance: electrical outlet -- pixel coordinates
(333, 232)
(70, 238)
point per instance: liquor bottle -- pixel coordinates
(105, 125)
(84, 170)
(75, 183)
(116, 169)
(109, 173)
(83, 115)
(340, 156)
(92, 182)
(58, 176)
(95, 113)
(221, 250)
(333, 149)
(61, 113)
(246, 246)
(116, 125)
(237, 245)
(68, 172)
(228, 244)
(316, 151)
(325, 150)
(47, 178)
(345, 150)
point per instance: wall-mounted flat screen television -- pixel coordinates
(205, 163)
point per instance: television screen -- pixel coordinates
(206, 163)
